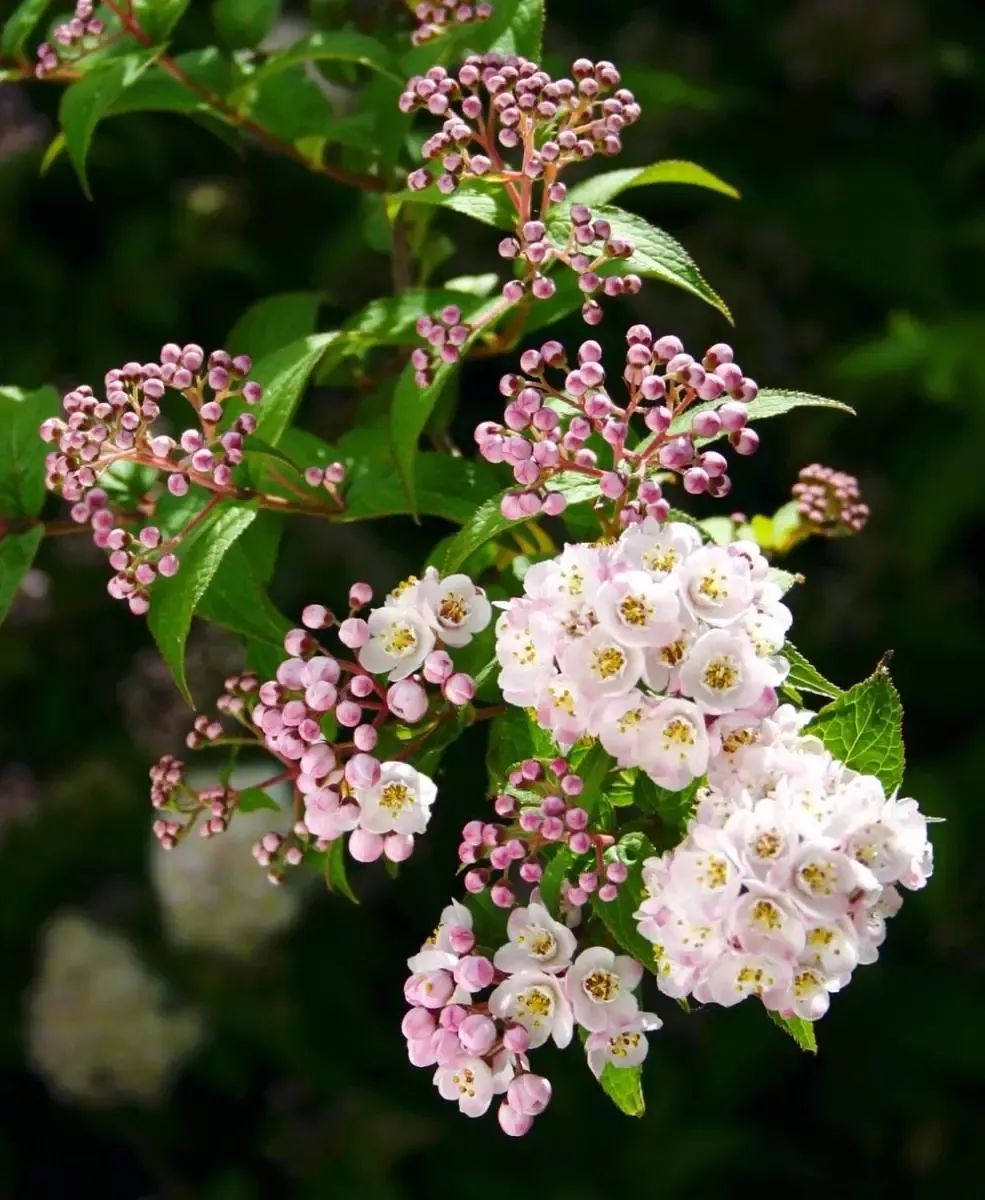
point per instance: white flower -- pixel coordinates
(399, 641)
(620, 724)
(536, 1001)
(638, 610)
(674, 744)
(599, 985)
(458, 608)
(659, 549)
(704, 881)
(716, 586)
(764, 923)
(438, 953)
(400, 801)
(601, 665)
(827, 882)
(735, 975)
(525, 652)
(721, 673)
(537, 942)
(622, 1046)
(563, 710)
(469, 1082)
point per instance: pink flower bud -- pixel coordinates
(513, 1123)
(516, 1039)
(407, 700)
(530, 872)
(362, 771)
(579, 843)
(529, 1094)
(474, 972)
(366, 847)
(617, 872)
(459, 689)
(316, 616)
(398, 847)
(460, 939)
(475, 882)
(608, 892)
(353, 632)
(360, 594)
(168, 565)
(502, 895)
(438, 666)
(417, 1023)
(349, 714)
(477, 1034)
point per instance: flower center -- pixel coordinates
(660, 560)
(536, 1002)
(600, 986)
(737, 738)
(712, 587)
(464, 1080)
(765, 913)
(714, 874)
(768, 844)
(679, 731)
(608, 661)
(399, 638)
(819, 878)
(543, 944)
(454, 608)
(721, 674)
(635, 610)
(621, 1045)
(395, 798)
(671, 655)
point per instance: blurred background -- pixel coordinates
(189, 1036)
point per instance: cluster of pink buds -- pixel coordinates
(544, 814)
(830, 501)
(445, 335)
(330, 722)
(498, 103)
(590, 246)
(436, 17)
(77, 35)
(475, 1017)
(96, 433)
(507, 122)
(683, 403)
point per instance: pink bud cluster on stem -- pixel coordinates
(436, 17)
(324, 716)
(553, 409)
(507, 122)
(541, 812)
(77, 36)
(830, 501)
(96, 434)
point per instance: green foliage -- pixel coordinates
(159, 17)
(805, 677)
(17, 551)
(800, 1030)
(175, 601)
(624, 1087)
(335, 872)
(864, 728)
(604, 188)
(273, 322)
(256, 800)
(244, 23)
(516, 27)
(91, 98)
(673, 809)
(483, 202)
(283, 375)
(19, 26)
(514, 736)
(22, 453)
(336, 45)
(617, 915)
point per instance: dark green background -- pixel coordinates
(854, 264)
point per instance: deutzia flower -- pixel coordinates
(537, 942)
(717, 586)
(467, 1081)
(400, 639)
(601, 665)
(599, 985)
(722, 673)
(623, 1046)
(458, 608)
(536, 1001)
(397, 805)
(674, 744)
(638, 610)
(657, 548)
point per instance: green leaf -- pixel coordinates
(617, 915)
(157, 91)
(673, 808)
(22, 452)
(273, 322)
(601, 189)
(336, 876)
(283, 375)
(774, 402)
(20, 25)
(483, 202)
(237, 600)
(255, 800)
(516, 27)
(159, 17)
(656, 254)
(864, 729)
(87, 101)
(624, 1087)
(514, 736)
(174, 601)
(807, 678)
(17, 551)
(800, 1030)
(244, 23)
(333, 45)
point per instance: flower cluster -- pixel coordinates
(97, 434)
(327, 719)
(536, 989)
(436, 17)
(78, 35)
(539, 811)
(507, 122)
(830, 501)
(445, 335)
(100, 1029)
(639, 643)
(789, 869)
(211, 895)
(683, 404)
